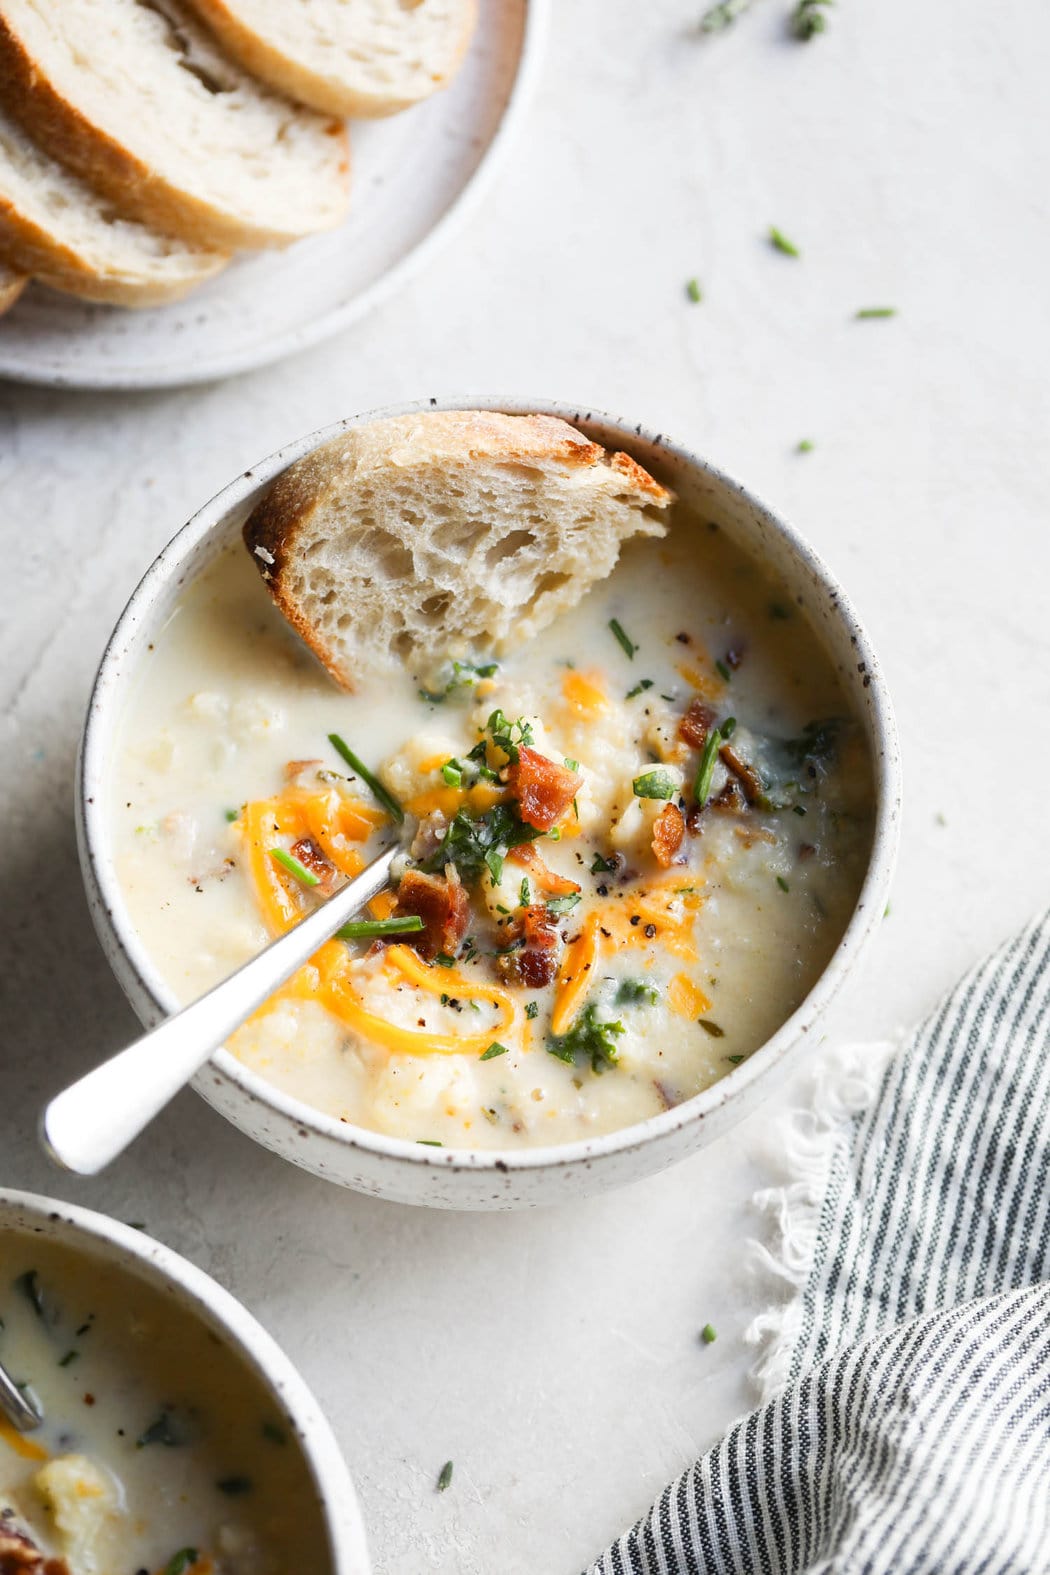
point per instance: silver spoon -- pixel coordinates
(17, 1404)
(95, 1119)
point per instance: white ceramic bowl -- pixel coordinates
(450, 1178)
(130, 1252)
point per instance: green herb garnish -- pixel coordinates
(807, 19)
(654, 784)
(368, 929)
(711, 1028)
(709, 1334)
(494, 1049)
(723, 671)
(29, 1284)
(706, 769)
(600, 866)
(429, 1143)
(475, 843)
(458, 675)
(452, 772)
(777, 610)
(805, 446)
(693, 291)
(369, 778)
(511, 737)
(231, 815)
(444, 1477)
(875, 311)
(162, 1431)
(722, 15)
(735, 1060)
(524, 895)
(782, 883)
(69, 1358)
(778, 239)
(184, 1560)
(560, 905)
(275, 1433)
(532, 1009)
(626, 644)
(639, 688)
(797, 809)
(588, 1036)
(289, 862)
(632, 991)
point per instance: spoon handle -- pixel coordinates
(95, 1119)
(20, 1406)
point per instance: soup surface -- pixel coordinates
(161, 1454)
(635, 842)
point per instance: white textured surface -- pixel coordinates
(554, 1356)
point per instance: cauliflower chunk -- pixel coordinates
(83, 1501)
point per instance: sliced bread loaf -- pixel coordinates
(348, 57)
(136, 98)
(11, 286)
(419, 535)
(54, 226)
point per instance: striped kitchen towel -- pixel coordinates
(906, 1425)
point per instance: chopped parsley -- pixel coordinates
(632, 991)
(511, 737)
(722, 15)
(805, 446)
(626, 644)
(817, 743)
(560, 905)
(782, 883)
(69, 1358)
(532, 1010)
(588, 1036)
(476, 843)
(494, 1049)
(807, 19)
(654, 784)
(780, 242)
(639, 688)
(735, 1060)
(163, 1431)
(231, 815)
(458, 675)
(709, 1334)
(600, 866)
(524, 895)
(694, 292)
(444, 1476)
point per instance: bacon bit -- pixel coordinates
(311, 858)
(745, 774)
(753, 834)
(20, 1556)
(443, 906)
(696, 724)
(536, 963)
(668, 831)
(544, 789)
(548, 881)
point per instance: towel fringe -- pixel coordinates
(804, 1144)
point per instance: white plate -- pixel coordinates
(412, 175)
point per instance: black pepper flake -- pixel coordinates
(650, 931)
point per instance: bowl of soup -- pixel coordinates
(627, 973)
(177, 1437)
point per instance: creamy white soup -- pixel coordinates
(632, 845)
(161, 1453)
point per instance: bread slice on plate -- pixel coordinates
(136, 98)
(54, 226)
(450, 530)
(348, 57)
(11, 286)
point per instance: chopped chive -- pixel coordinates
(723, 671)
(886, 911)
(711, 1028)
(805, 446)
(627, 645)
(445, 1476)
(693, 291)
(709, 1334)
(532, 1009)
(639, 688)
(429, 1143)
(389, 803)
(184, 1560)
(782, 883)
(29, 1284)
(365, 929)
(728, 728)
(289, 862)
(452, 773)
(572, 765)
(234, 1487)
(875, 311)
(706, 769)
(494, 1049)
(523, 893)
(778, 239)
(654, 784)
(69, 1357)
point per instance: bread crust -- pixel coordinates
(322, 92)
(135, 190)
(11, 286)
(273, 530)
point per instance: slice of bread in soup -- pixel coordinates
(398, 539)
(136, 98)
(346, 57)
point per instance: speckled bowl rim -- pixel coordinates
(137, 972)
(134, 1252)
